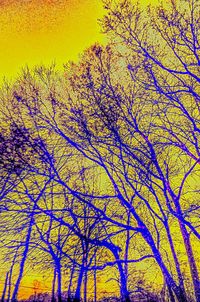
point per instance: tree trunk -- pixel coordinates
(53, 298)
(123, 284)
(10, 276)
(85, 262)
(70, 283)
(5, 288)
(126, 256)
(191, 260)
(176, 261)
(77, 296)
(169, 280)
(22, 264)
(85, 285)
(95, 280)
(123, 281)
(59, 280)
(150, 241)
(189, 251)
(171, 295)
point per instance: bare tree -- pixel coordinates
(127, 115)
(167, 45)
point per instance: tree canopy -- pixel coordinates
(100, 164)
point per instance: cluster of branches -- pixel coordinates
(100, 166)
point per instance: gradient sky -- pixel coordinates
(41, 31)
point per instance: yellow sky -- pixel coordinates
(42, 31)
